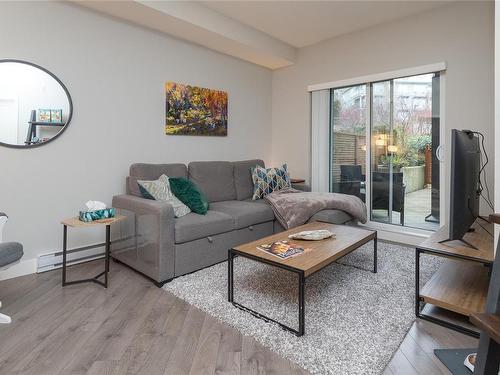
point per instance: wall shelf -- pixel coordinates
(33, 124)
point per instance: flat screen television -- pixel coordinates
(465, 189)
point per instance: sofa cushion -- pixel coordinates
(243, 177)
(245, 213)
(193, 226)
(147, 171)
(332, 216)
(214, 178)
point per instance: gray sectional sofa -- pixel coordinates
(155, 243)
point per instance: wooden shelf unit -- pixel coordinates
(33, 124)
(461, 283)
(481, 237)
(458, 286)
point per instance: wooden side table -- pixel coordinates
(75, 222)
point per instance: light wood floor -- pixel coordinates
(134, 327)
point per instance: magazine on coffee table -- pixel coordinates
(283, 249)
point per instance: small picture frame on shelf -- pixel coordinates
(43, 115)
(56, 115)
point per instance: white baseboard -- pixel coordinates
(24, 267)
(403, 235)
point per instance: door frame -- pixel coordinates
(442, 169)
(398, 232)
(15, 101)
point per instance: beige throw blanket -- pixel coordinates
(294, 207)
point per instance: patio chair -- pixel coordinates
(10, 253)
(352, 181)
(380, 193)
(351, 173)
(349, 187)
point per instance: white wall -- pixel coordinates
(115, 73)
(460, 34)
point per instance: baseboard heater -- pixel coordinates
(48, 262)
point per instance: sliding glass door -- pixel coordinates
(348, 140)
(381, 161)
(404, 131)
(397, 171)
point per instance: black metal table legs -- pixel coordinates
(65, 247)
(302, 311)
(417, 282)
(95, 278)
(108, 250)
(230, 282)
(301, 286)
(232, 253)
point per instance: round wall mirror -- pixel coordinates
(35, 106)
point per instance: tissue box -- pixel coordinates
(89, 216)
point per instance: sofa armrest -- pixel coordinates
(142, 205)
(147, 237)
(302, 186)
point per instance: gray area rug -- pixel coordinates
(355, 319)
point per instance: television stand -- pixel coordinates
(461, 283)
(468, 244)
(483, 218)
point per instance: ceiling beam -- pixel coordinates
(201, 25)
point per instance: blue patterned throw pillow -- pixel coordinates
(267, 180)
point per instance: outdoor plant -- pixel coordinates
(419, 142)
(410, 153)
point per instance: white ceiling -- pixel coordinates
(194, 22)
(267, 33)
(302, 23)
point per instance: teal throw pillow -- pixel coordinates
(189, 194)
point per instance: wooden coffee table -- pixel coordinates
(323, 253)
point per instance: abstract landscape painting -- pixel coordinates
(192, 110)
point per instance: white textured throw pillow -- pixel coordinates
(160, 190)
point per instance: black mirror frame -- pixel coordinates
(70, 115)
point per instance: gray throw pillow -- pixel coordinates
(160, 190)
